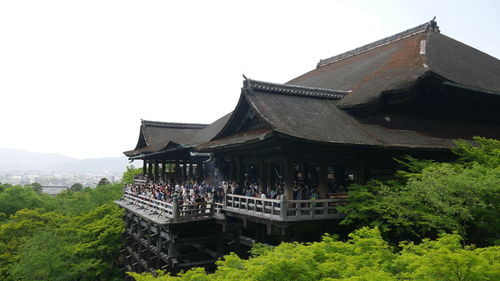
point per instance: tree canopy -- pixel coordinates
(76, 187)
(130, 173)
(364, 256)
(72, 236)
(429, 198)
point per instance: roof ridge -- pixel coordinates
(173, 125)
(428, 26)
(293, 90)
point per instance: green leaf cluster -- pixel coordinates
(430, 198)
(130, 173)
(73, 236)
(364, 256)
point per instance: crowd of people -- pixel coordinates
(186, 193)
(207, 191)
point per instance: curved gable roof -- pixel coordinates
(397, 62)
(312, 114)
(155, 136)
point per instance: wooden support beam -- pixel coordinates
(239, 172)
(262, 175)
(184, 169)
(269, 175)
(287, 174)
(361, 174)
(323, 180)
(164, 171)
(156, 170)
(150, 169)
(177, 171)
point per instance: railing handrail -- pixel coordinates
(289, 201)
(253, 198)
(276, 209)
(173, 210)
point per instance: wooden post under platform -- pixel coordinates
(323, 180)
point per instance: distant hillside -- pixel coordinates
(22, 160)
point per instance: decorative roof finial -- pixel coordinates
(245, 76)
(433, 26)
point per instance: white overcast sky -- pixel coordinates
(76, 77)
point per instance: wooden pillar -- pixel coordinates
(198, 170)
(305, 175)
(164, 171)
(177, 171)
(231, 169)
(139, 244)
(190, 170)
(184, 168)
(262, 176)
(173, 252)
(148, 239)
(159, 245)
(269, 175)
(202, 170)
(361, 174)
(144, 167)
(287, 174)
(339, 175)
(238, 171)
(323, 179)
(150, 169)
(156, 168)
(220, 246)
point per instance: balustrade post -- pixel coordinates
(282, 207)
(175, 210)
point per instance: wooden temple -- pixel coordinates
(344, 122)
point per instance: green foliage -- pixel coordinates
(103, 181)
(76, 187)
(37, 187)
(130, 173)
(435, 197)
(76, 203)
(486, 152)
(365, 256)
(14, 198)
(73, 236)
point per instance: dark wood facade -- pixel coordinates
(345, 121)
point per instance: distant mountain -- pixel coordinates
(22, 160)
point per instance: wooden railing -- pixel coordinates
(283, 210)
(313, 209)
(140, 181)
(173, 211)
(270, 208)
(279, 210)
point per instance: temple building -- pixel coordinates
(344, 122)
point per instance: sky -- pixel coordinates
(76, 77)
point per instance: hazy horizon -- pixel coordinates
(77, 77)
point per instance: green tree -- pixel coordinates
(20, 228)
(43, 257)
(37, 187)
(103, 181)
(364, 256)
(435, 197)
(72, 236)
(76, 187)
(14, 198)
(130, 173)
